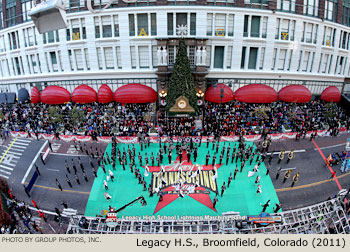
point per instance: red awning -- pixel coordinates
(214, 94)
(84, 94)
(55, 95)
(135, 93)
(105, 94)
(331, 94)
(294, 93)
(256, 93)
(35, 95)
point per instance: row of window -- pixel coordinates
(310, 8)
(145, 25)
(144, 56)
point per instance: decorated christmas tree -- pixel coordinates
(181, 80)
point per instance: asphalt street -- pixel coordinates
(314, 184)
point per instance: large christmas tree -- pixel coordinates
(181, 80)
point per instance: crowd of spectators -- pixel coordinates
(227, 119)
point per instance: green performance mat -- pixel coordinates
(240, 196)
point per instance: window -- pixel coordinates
(75, 5)
(274, 59)
(324, 63)
(286, 5)
(50, 37)
(210, 24)
(285, 29)
(144, 22)
(219, 57)
(79, 59)
(109, 57)
(53, 60)
(310, 7)
(2, 44)
(1, 17)
(346, 13)
(191, 55)
(290, 60)
(170, 24)
(75, 29)
(106, 27)
(230, 25)
(116, 25)
(11, 12)
(154, 56)
(330, 9)
(253, 55)
(17, 65)
(181, 20)
(309, 33)
(255, 26)
(220, 24)
(339, 66)
(305, 61)
(29, 37)
(133, 56)
(119, 58)
(131, 25)
(193, 24)
(330, 63)
(97, 27)
(281, 59)
(144, 56)
(264, 27)
(87, 58)
(13, 40)
(171, 55)
(153, 24)
(26, 7)
(99, 57)
(142, 25)
(229, 57)
(262, 56)
(329, 36)
(208, 59)
(60, 60)
(244, 49)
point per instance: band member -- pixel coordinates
(290, 156)
(229, 180)
(257, 180)
(258, 190)
(295, 178)
(287, 175)
(236, 171)
(281, 156)
(207, 159)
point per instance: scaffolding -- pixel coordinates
(322, 218)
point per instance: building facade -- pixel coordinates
(278, 43)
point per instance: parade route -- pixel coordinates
(314, 185)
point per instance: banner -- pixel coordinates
(104, 139)
(165, 139)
